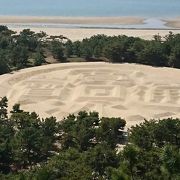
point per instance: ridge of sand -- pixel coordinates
(131, 91)
(71, 20)
(174, 23)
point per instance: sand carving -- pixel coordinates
(109, 89)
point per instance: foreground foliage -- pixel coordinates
(84, 146)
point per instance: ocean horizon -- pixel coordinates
(140, 8)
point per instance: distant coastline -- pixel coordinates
(89, 22)
(71, 20)
(175, 23)
(78, 28)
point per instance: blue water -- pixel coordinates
(144, 8)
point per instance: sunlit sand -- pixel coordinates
(134, 92)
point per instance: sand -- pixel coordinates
(175, 23)
(130, 91)
(71, 20)
(79, 34)
(49, 25)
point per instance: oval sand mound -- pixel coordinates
(131, 91)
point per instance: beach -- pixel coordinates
(175, 23)
(75, 34)
(78, 28)
(70, 20)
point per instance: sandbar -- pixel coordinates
(71, 20)
(174, 23)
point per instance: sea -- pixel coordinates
(152, 10)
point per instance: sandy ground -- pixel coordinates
(79, 34)
(131, 91)
(71, 20)
(173, 23)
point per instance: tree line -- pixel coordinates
(28, 49)
(85, 146)
(160, 51)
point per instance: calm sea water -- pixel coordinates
(145, 8)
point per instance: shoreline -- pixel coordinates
(88, 26)
(173, 22)
(78, 28)
(76, 34)
(71, 20)
(121, 22)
